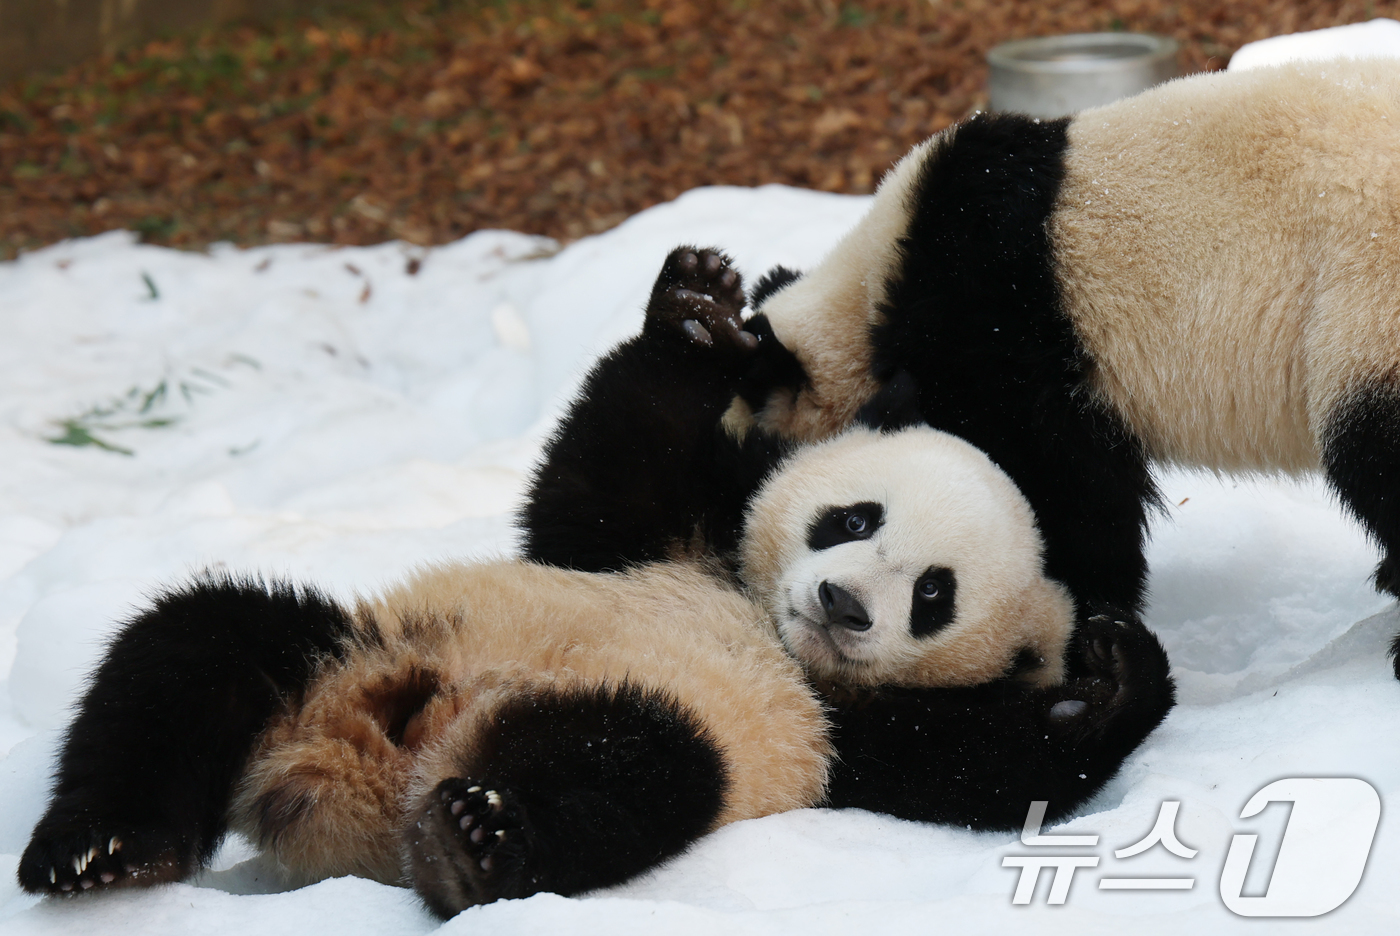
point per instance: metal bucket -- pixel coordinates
(1058, 75)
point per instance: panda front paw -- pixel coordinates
(471, 845)
(699, 297)
(1122, 679)
(82, 857)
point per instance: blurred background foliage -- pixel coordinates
(428, 119)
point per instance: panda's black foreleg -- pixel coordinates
(638, 464)
(1361, 455)
(162, 734)
(568, 791)
(979, 756)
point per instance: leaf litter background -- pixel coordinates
(425, 120)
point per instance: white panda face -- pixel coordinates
(905, 559)
(833, 595)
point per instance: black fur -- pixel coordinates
(894, 406)
(935, 601)
(147, 768)
(980, 756)
(640, 469)
(587, 789)
(774, 366)
(770, 282)
(833, 526)
(973, 315)
(1361, 456)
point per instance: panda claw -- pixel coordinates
(75, 856)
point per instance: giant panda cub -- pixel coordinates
(491, 730)
(1205, 274)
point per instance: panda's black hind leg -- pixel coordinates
(150, 762)
(1361, 455)
(565, 791)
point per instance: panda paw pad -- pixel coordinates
(1124, 669)
(700, 297)
(490, 829)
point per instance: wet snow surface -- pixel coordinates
(328, 415)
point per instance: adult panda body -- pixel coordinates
(1205, 274)
(492, 730)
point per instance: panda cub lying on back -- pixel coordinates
(493, 730)
(1205, 274)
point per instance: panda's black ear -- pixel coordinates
(895, 406)
(769, 283)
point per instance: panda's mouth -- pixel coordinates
(815, 645)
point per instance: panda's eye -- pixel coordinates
(833, 526)
(934, 605)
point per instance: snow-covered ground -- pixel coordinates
(335, 418)
(342, 415)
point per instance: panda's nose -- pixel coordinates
(842, 608)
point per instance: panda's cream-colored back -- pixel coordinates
(1229, 246)
(942, 505)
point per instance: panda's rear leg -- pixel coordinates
(1361, 455)
(565, 791)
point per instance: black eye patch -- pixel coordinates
(837, 525)
(934, 601)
